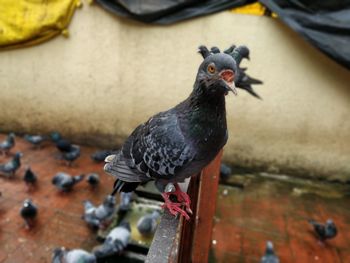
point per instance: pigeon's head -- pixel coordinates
(18, 155)
(329, 222)
(217, 72)
(243, 51)
(27, 202)
(55, 136)
(126, 225)
(11, 137)
(269, 247)
(57, 254)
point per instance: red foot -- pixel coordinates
(175, 207)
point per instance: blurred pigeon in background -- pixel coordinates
(116, 241)
(99, 216)
(35, 140)
(62, 145)
(242, 80)
(72, 155)
(225, 171)
(7, 144)
(269, 256)
(93, 179)
(125, 202)
(29, 178)
(178, 143)
(147, 224)
(11, 166)
(324, 231)
(63, 255)
(29, 212)
(65, 182)
(100, 156)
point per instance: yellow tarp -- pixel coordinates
(28, 22)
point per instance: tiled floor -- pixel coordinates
(266, 209)
(59, 219)
(269, 209)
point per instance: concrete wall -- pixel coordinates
(112, 74)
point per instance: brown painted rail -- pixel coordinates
(181, 241)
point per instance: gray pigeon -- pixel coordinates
(72, 155)
(147, 224)
(125, 202)
(7, 145)
(63, 255)
(99, 216)
(65, 182)
(269, 256)
(30, 178)
(11, 166)
(35, 140)
(115, 242)
(324, 231)
(178, 143)
(28, 212)
(242, 80)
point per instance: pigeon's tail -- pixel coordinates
(78, 178)
(121, 186)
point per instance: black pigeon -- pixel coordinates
(100, 216)
(65, 182)
(115, 242)
(178, 143)
(93, 179)
(62, 145)
(225, 171)
(30, 178)
(72, 155)
(29, 212)
(269, 256)
(242, 80)
(7, 144)
(100, 156)
(324, 231)
(35, 140)
(12, 166)
(147, 224)
(63, 255)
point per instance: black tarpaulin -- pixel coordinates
(168, 11)
(325, 23)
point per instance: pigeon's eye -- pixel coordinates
(211, 69)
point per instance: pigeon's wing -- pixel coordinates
(156, 149)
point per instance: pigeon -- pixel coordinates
(29, 212)
(101, 216)
(324, 231)
(178, 143)
(65, 182)
(115, 242)
(7, 145)
(72, 155)
(225, 171)
(100, 156)
(35, 140)
(242, 80)
(29, 178)
(63, 255)
(125, 202)
(147, 224)
(62, 145)
(12, 166)
(93, 179)
(269, 256)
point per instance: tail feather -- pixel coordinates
(78, 178)
(121, 186)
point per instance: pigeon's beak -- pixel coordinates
(228, 76)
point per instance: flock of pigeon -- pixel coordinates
(98, 217)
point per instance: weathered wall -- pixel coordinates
(111, 74)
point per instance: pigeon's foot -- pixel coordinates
(174, 208)
(183, 198)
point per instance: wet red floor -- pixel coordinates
(245, 219)
(59, 220)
